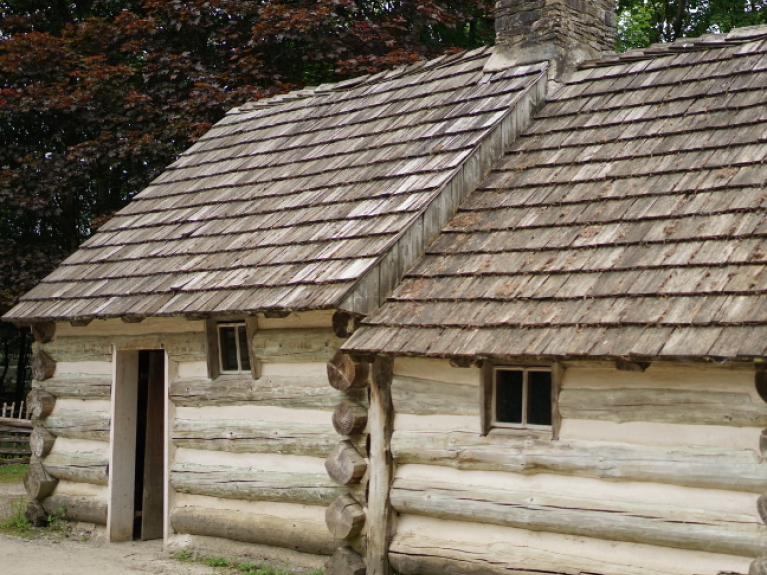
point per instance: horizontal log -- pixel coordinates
(281, 391)
(422, 555)
(180, 346)
(20, 452)
(299, 534)
(255, 485)
(77, 386)
(78, 424)
(663, 405)
(16, 425)
(78, 467)
(709, 467)
(241, 436)
(295, 345)
(424, 397)
(77, 508)
(664, 526)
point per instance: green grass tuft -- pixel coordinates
(12, 472)
(18, 524)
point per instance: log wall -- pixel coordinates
(248, 455)
(654, 473)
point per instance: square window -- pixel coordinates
(522, 397)
(233, 348)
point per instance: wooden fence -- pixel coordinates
(15, 429)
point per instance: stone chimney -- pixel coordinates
(564, 32)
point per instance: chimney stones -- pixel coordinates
(564, 32)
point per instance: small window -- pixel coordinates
(522, 397)
(233, 348)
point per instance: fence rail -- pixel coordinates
(14, 434)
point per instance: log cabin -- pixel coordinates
(486, 314)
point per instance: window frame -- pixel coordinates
(489, 396)
(525, 397)
(236, 325)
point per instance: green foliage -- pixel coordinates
(18, 524)
(643, 22)
(97, 97)
(12, 473)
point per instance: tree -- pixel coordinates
(98, 96)
(643, 22)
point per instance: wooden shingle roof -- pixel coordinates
(289, 203)
(629, 220)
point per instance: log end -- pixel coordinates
(345, 374)
(345, 465)
(345, 517)
(758, 566)
(345, 561)
(350, 418)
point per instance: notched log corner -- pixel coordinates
(44, 331)
(40, 403)
(38, 483)
(43, 367)
(345, 465)
(345, 517)
(628, 365)
(345, 323)
(345, 561)
(345, 374)
(350, 418)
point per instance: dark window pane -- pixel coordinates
(539, 397)
(508, 396)
(228, 345)
(244, 357)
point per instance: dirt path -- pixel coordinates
(47, 557)
(55, 555)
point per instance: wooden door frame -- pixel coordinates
(122, 443)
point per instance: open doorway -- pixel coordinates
(137, 446)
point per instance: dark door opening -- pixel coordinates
(148, 493)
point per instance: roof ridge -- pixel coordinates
(735, 37)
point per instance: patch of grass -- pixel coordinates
(237, 567)
(18, 524)
(12, 472)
